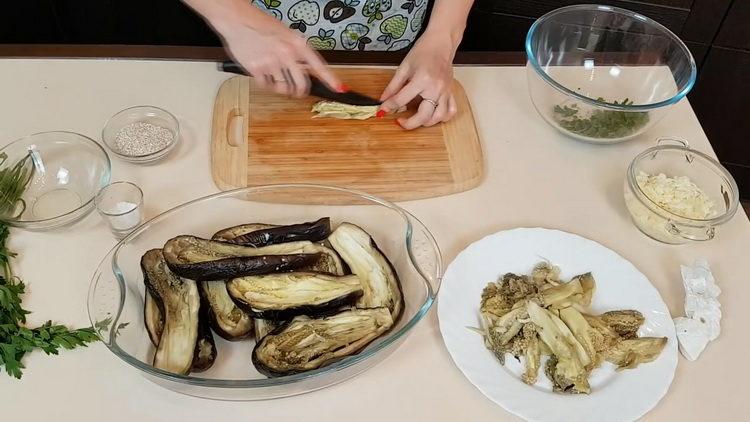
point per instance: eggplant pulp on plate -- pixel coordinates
(306, 343)
(380, 282)
(180, 304)
(281, 296)
(229, 321)
(205, 260)
(250, 235)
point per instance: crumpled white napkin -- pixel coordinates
(702, 309)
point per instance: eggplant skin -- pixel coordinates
(205, 346)
(304, 343)
(380, 281)
(313, 231)
(281, 296)
(224, 316)
(228, 268)
(180, 304)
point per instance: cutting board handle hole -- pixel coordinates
(235, 124)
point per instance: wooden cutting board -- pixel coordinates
(261, 138)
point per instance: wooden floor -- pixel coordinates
(746, 204)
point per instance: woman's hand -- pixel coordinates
(426, 72)
(274, 55)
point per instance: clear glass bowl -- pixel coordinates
(582, 59)
(115, 302)
(68, 171)
(141, 114)
(680, 160)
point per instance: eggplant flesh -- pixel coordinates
(313, 231)
(284, 295)
(180, 304)
(231, 233)
(152, 318)
(263, 327)
(229, 321)
(380, 283)
(204, 260)
(307, 343)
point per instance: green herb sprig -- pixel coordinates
(16, 340)
(13, 182)
(601, 123)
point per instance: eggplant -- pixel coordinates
(305, 343)
(152, 318)
(231, 233)
(250, 235)
(263, 327)
(281, 296)
(380, 283)
(204, 355)
(204, 260)
(227, 320)
(180, 304)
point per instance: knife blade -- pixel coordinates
(317, 88)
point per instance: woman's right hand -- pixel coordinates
(277, 57)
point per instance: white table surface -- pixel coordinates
(535, 177)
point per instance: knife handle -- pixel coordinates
(317, 88)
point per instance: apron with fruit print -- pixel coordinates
(383, 25)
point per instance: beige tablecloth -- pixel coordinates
(534, 178)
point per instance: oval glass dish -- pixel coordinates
(116, 294)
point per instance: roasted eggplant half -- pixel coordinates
(231, 233)
(152, 318)
(204, 260)
(248, 235)
(281, 296)
(227, 320)
(380, 283)
(307, 343)
(204, 355)
(180, 304)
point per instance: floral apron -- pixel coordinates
(382, 25)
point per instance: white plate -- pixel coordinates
(620, 396)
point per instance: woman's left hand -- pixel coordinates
(426, 72)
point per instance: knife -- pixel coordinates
(317, 88)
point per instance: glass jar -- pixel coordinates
(675, 158)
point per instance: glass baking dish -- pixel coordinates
(116, 294)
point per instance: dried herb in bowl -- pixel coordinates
(601, 123)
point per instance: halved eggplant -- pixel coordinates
(205, 347)
(263, 327)
(205, 260)
(231, 233)
(305, 343)
(229, 321)
(281, 296)
(152, 318)
(313, 231)
(380, 282)
(180, 304)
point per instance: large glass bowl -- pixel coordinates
(603, 74)
(68, 169)
(115, 301)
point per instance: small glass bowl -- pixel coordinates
(674, 161)
(68, 170)
(116, 294)
(602, 74)
(141, 114)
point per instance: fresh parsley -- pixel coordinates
(16, 340)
